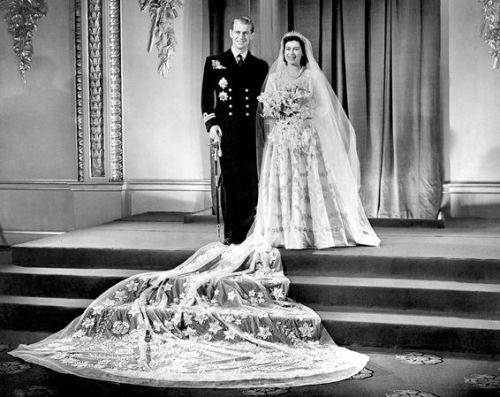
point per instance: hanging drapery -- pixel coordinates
(382, 58)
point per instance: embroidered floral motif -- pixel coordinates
(120, 296)
(190, 332)
(278, 293)
(264, 332)
(120, 327)
(88, 323)
(132, 286)
(214, 327)
(229, 334)
(231, 295)
(306, 330)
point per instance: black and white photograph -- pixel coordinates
(217, 198)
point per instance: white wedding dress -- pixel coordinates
(222, 318)
(303, 203)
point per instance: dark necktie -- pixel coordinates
(239, 60)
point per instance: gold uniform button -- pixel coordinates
(246, 98)
(229, 89)
(246, 89)
(247, 114)
(230, 113)
(230, 106)
(247, 106)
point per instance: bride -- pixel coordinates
(222, 318)
(309, 178)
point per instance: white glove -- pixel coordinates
(215, 134)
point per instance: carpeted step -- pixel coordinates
(206, 216)
(38, 313)
(348, 326)
(98, 258)
(329, 263)
(59, 282)
(296, 263)
(424, 295)
(392, 293)
(406, 329)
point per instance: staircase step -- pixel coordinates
(425, 295)
(96, 258)
(39, 313)
(333, 263)
(428, 295)
(59, 282)
(348, 326)
(410, 330)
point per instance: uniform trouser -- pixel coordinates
(239, 181)
(238, 209)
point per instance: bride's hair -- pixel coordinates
(292, 37)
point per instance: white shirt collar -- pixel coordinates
(243, 54)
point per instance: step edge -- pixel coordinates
(389, 283)
(76, 303)
(401, 319)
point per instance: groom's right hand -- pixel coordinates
(215, 134)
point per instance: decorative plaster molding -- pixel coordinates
(115, 91)
(96, 88)
(79, 91)
(490, 29)
(162, 33)
(193, 185)
(22, 17)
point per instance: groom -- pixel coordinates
(231, 83)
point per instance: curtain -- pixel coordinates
(382, 59)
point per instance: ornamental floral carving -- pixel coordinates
(22, 17)
(162, 34)
(490, 29)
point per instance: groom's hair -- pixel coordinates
(286, 39)
(244, 20)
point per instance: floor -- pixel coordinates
(388, 373)
(462, 238)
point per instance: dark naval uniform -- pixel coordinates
(229, 100)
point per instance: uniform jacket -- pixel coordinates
(229, 91)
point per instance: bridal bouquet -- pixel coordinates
(286, 105)
(289, 108)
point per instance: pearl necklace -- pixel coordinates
(294, 76)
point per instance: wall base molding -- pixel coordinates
(471, 199)
(34, 209)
